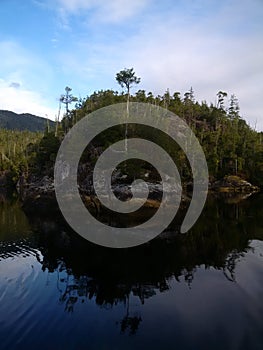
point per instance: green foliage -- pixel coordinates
(46, 156)
(229, 143)
(126, 78)
(17, 151)
(231, 146)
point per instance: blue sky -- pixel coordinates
(209, 45)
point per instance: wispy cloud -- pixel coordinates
(212, 54)
(203, 57)
(25, 80)
(23, 100)
(207, 44)
(20, 64)
(103, 11)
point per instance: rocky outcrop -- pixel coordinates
(36, 185)
(37, 194)
(233, 183)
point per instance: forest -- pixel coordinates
(25, 121)
(230, 145)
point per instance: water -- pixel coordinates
(202, 290)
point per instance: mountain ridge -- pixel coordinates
(23, 121)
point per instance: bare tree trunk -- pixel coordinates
(59, 109)
(126, 124)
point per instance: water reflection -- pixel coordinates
(14, 223)
(85, 273)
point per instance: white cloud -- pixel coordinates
(200, 55)
(102, 11)
(23, 101)
(174, 57)
(209, 45)
(25, 81)
(23, 65)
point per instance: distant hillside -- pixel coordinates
(25, 121)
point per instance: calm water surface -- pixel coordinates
(201, 290)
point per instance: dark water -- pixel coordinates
(201, 290)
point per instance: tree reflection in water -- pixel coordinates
(112, 276)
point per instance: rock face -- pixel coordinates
(233, 183)
(35, 186)
(37, 194)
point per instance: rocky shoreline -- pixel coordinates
(38, 194)
(234, 184)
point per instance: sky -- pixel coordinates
(46, 45)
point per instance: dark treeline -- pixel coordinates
(231, 146)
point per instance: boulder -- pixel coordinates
(233, 183)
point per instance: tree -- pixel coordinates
(221, 97)
(141, 96)
(67, 99)
(166, 98)
(126, 78)
(188, 101)
(233, 110)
